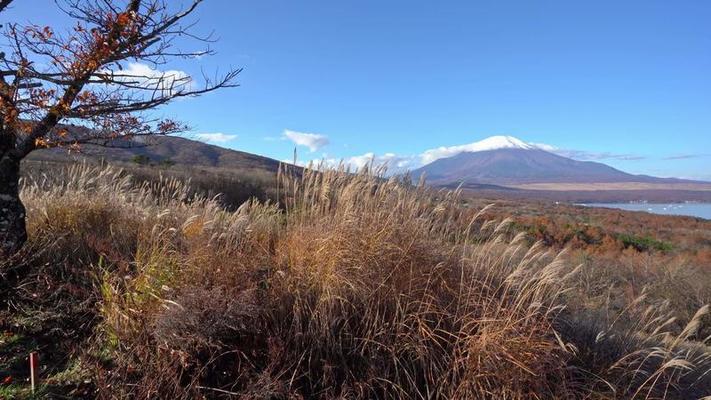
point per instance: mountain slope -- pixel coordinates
(178, 150)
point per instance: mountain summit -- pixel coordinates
(490, 143)
(499, 142)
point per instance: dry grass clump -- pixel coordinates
(358, 287)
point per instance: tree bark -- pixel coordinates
(13, 231)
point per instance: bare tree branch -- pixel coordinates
(4, 4)
(79, 76)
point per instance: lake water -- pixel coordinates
(702, 210)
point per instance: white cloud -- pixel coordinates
(545, 147)
(397, 162)
(354, 162)
(146, 77)
(216, 137)
(393, 163)
(313, 141)
(360, 161)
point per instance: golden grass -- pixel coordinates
(358, 287)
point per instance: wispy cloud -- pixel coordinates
(216, 137)
(313, 141)
(583, 155)
(545, 147)
(684, 156)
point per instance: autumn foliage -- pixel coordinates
(72, 87)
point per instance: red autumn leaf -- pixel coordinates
(123, 19)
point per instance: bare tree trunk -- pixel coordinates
(13, 231)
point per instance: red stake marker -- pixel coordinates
(34, 366)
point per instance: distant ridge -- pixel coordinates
(177, 150)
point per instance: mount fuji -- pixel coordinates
(508, 161)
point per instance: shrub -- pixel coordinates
(141, 159)
(167, 162)
(644, 243)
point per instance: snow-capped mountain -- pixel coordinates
(506, 160)
(490, 143)
(496, 143)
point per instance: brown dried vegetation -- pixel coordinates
(355, 287)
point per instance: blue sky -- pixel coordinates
(626, 83)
